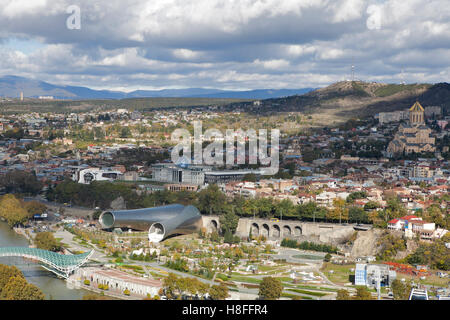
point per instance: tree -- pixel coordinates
(327, 257)
(125, 132)
(19, 181)
(17, 288)
(343, 294)
(270, 288)
(362, 293)
(285, 208)
(211, 200)
(229, 221)
(12, 210)
(219, 292)
(394, 209)
(6, 273)
(170, 285)
(357, 214)
(400, 290)
(35, 207)
(228, 237)
(46, 241)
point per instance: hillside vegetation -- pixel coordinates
(356, 99)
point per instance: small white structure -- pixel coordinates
(86, 176)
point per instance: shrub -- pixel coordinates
(87, 282)
(126, 292)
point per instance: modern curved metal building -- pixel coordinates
(161, 222)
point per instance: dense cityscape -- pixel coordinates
(213, 158)
(343, 207)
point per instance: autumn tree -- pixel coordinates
(171, 286)
(18, 288)
(7, 272)
(14, 286)
(12, 210)
(362, 293)
(343, 294)
(35, 207)
(400, 290)
(218, 292)
(46, 241)
(270, 288)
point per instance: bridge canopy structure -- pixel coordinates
(60, 264)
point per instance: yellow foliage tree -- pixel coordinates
(12, 210)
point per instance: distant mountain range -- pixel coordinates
(12, 86)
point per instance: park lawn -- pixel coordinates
(268, 268)
(155, 275)
(316, 288)
(293, 296)
(341, 272)
(285, 279)
(311, 293)
(245, 279)
(133, 267)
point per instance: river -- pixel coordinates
(53, 287)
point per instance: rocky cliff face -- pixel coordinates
(366, 243)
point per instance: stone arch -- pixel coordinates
(254, 228)
(287, 231)
(276, 232)
(265, 230)
(212, 226)
(298, 231)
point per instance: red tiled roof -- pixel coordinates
(410, 217)
(393, 221)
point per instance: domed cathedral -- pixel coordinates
(414, 136)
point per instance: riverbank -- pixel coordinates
(23, 232)
(53, 287)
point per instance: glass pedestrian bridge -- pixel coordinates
(60, 264)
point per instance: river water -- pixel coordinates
(53, 287)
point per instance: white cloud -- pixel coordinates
(227, 43)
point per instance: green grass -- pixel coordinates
(394, 88)
(311, 293)
(135, 268)
(316, 288)
(245, 279)
(292, 296)
(341, 272)
(285, 279)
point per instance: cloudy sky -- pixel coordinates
(226, 44)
